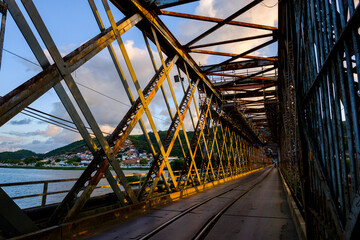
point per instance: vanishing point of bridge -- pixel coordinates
(287, 93)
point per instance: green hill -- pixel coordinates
(75, 147)
(138, 141)
(18, 155)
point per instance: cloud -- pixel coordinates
(24, 121)
(105, 94)
(50, 131)
(8, 144)
(223, 9)
(36, 142)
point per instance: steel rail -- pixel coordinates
(210, 224)
(188, 210)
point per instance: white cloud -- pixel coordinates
(52, 130)
(223, 9)
(100, 75)
(206, 7)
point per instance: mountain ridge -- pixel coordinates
(138, 141)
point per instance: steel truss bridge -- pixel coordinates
(301, 107)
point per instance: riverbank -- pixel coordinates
(65, 168)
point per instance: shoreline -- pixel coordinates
(66, 168)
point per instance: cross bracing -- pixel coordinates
(240, 114)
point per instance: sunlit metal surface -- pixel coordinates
(247, 105)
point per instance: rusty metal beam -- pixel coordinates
(259, 62)
(230, 55)
(254, 110)
(241, 79)
(165, 36)
(246, 52)
(22, 96)
(238, 88)
(236, 76)
(13, 220)
(217, 20)
(248, 94)
(169, 3)
(232, 41)
(3, 11)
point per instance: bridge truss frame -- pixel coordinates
(224, 143)
(319, 61)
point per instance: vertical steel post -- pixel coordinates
(3, 11)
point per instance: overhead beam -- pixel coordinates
(169, 3)
(249, 94)
(255, 110)
(241, 79)
(248, 51)
(233, 41)
(165, 37)
(242, 76)
(217, 20)
(3, 11)
(227, 54)
(237, 88)
(261, 62)
(22, 96)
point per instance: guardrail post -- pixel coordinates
(43, 202)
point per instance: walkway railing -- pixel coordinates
(135, 180)
(46, 192)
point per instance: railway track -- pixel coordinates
(249, 185)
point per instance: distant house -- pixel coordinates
(61, 163)
(85, 162)
(172, 158)
(131, 161)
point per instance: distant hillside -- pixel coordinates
(75, 147)
(138, 141)
(18, 155)
(141, 144)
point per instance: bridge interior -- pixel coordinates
(255, 82)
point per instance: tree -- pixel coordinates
(177, 164)
(30, 160)
(74, 159)
(39, 164)
(143, 161)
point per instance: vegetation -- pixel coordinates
(75, 147)
(140, 143)
(30, 160)
(74, 160)
(39, 164)
(18, 155)
(177, 164)
(143, 161)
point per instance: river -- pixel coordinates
(10, 175)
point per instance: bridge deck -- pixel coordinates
(261, 213)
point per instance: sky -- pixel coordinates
(70, 24)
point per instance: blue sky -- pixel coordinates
(71, 23)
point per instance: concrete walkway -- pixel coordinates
(262, 213)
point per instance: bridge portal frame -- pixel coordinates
(221, 146)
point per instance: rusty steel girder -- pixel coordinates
(224, 143)
(319, 59)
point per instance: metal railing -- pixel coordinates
(46, 183)
(45, 190)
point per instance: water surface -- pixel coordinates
(10, 175)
